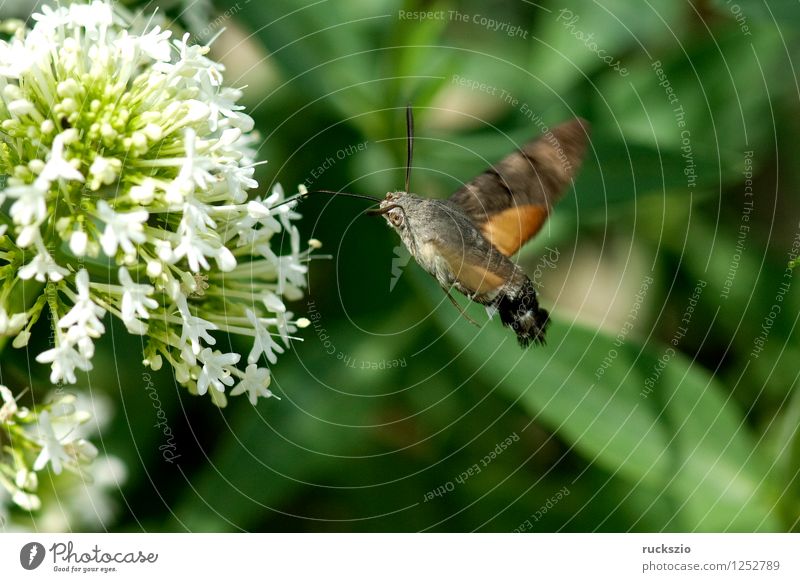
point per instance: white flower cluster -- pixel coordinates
(127, 166)
(54, 437)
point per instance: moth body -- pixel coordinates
(447, 245)
(465, 242)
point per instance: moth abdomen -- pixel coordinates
(521, 312)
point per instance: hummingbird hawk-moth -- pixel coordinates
(465, 241)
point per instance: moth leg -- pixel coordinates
(460, 310)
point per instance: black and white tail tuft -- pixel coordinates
(522, 313)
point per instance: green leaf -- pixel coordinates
(572, 40)
(685, 439)
(744, 12)
(711, 100)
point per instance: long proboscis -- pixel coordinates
(384, 210)
(373, 199)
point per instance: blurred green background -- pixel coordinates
(665, 399)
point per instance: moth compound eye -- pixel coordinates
(396, 217)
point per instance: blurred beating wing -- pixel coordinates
(511, 200)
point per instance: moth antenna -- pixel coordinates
(460, 309)
(409, 145)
